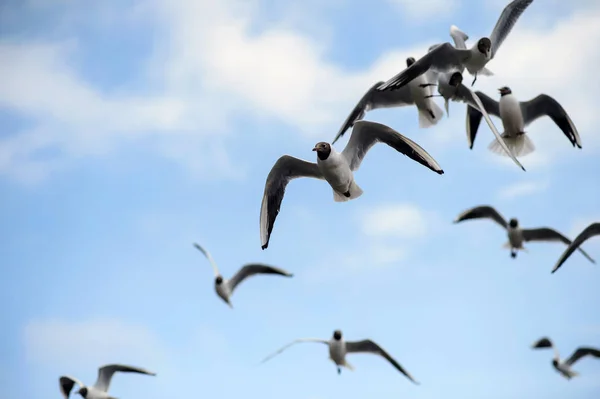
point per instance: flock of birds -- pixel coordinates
(442, 66)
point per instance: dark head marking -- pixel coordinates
(323, 150)
(513, 223)
(337, 335)
(484, 45)
(83, 392)
(219, 280)
(504, 90)
(410, 61)
(456, 79)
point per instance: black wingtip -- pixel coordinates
(440, 172)
(263, 247)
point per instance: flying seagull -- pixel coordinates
(445, 57)
(589, 232)
(516, 235)
(338, 348)
(335, 167)
(100, 388)
(225, 287)
(516, 116)
(564, 367)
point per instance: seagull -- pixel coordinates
(516, 235)
(335, 167)
(589, 232)
(564, 367)
(100, 388)
(338, 348)
(225, 288)
(446, 57)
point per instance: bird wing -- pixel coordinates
(581, 352)
(548, 234)
(366, 133)
(507, 20)
(371, 347)
(277, 352)
(590, 231)
(474, 115)
(252, 269)
(285, 169)
(66, 385)
(482, 211)
(477, 104)
(442, 58)
(209, 257)
(373, 99)
(544, 343)
(105, 374)
(544, 105)
(459, 37)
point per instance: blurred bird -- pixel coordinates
(589, 232)
(564, 367)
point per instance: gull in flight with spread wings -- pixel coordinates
(100, 389)
(336, 168)
(224, 288)
(445, 57)
(587, 233)
(564, 367)
(516, 235)
(339, 348)
(516, 116)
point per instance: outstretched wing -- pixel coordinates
(293, 343)
(209, 257)
(480, 212)
(505, 23)
(442, 58)
(590, 231)
(252, 269)
(105, 374)
(285, 169)
(374, 99)
(66, 385)
(366, 133)
(545, 343)
(581, 352)
(548, 234)
(369, 346)
(474, 115)
(544, 105)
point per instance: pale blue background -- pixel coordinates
(122, 143)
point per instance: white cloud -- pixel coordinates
(522, 189)
(424, 10)
(60, 343)
(397, 220)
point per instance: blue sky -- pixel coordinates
(132, 129)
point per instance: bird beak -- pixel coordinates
(315, 149)
(500, 90)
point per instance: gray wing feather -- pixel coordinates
(505, 23)
(105, 374)
(590, 231)
(483, 211)
(285, 169)
(374, 99)
(442, 58)
(459, 37)
(66, 385)
(474, 115)
(581, 352)
(371, 347)
(544, 105)
(548, 234)
(255, 268)
(366, 133)
(277, 352)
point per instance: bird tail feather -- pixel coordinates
(486, 72)
(355, 192)
(520, 145)
(348, 365)
(426, 119)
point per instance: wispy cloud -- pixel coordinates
(421, 11)
(394, 220)
(522, 189)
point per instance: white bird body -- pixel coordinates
(477, 61)
(337, 173)
(511, 115)
(515, 237)
(564, 369)
(337, 351)
(224, 291)
(93, 393)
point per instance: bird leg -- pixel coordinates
(474, 80)
(433, 95)
(427, 84)
(339, 369)
(513, 253)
